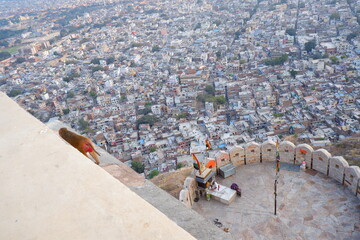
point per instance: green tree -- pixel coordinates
(217, 22)
(293, 73)
(220, 100)
(334, 60)
(200, 98)
(291, 31)
(155, 48)
(66, 111)
(14, 92)
(70, 95)
(4, 43)
(153, 173)
(153, 149)
(4, 55)
(237, 35)
(93, 94)
(20, 60)
(277, 60)
(197, 26)
(210, 90)
(335, 16)
(278, 115)
(97, 68)
(351, 36)
(110, 60)
(137, 166)
(67, 79)
(179, 165)
(96, 60)
(83, 124)
(218, 54)
(147, 119)
(182, 115)
(309, 46)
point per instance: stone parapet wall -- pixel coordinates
(320, 160)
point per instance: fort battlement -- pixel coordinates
(320, 160)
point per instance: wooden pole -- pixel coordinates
(275, 195)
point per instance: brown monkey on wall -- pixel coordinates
(83, 144)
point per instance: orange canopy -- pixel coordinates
(211, 164)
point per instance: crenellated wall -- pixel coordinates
(320, 160)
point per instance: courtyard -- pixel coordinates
(310, 205)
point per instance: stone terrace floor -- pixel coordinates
(310, 206)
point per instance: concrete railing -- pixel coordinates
(335, 167)
(49, 190)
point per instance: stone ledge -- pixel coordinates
(50, 190)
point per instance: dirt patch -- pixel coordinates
(172, 182)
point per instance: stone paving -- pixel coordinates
(310, 206)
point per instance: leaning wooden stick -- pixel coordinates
(83, 144)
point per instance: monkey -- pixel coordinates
(83, 144)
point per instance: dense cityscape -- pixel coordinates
(151, 81)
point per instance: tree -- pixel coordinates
(66, 111)
(4, 55)
(93, 94)
(153, 173)
(334, 60)
(147, 119)
(70, 95)
(237, 35)
(220, 100)
(335, 16)
(198, 26)
(210, 90)
(20, 60)
(309, 46)
(97, 68)
(179, 165)
(351, 36)
(14, 92)
(276, 61)
(182, 115)
(137, 166)
(155, 48)
(83, 124)
(110, 60)
(4, 43)
(96, 61)
(218, 54)
(293, 73)
(291, 31)
(153, 149)
(217, 22)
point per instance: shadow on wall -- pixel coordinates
(320, 160)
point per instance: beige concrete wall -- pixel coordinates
(237, 155)
(222, 158)
(320, 160)
(352, 177)
(49, 190)
(252, 152)
(287, 152)
(337, 167)
(190, 185)
(268, 151)
(303, 152)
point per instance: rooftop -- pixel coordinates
(310, 205)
